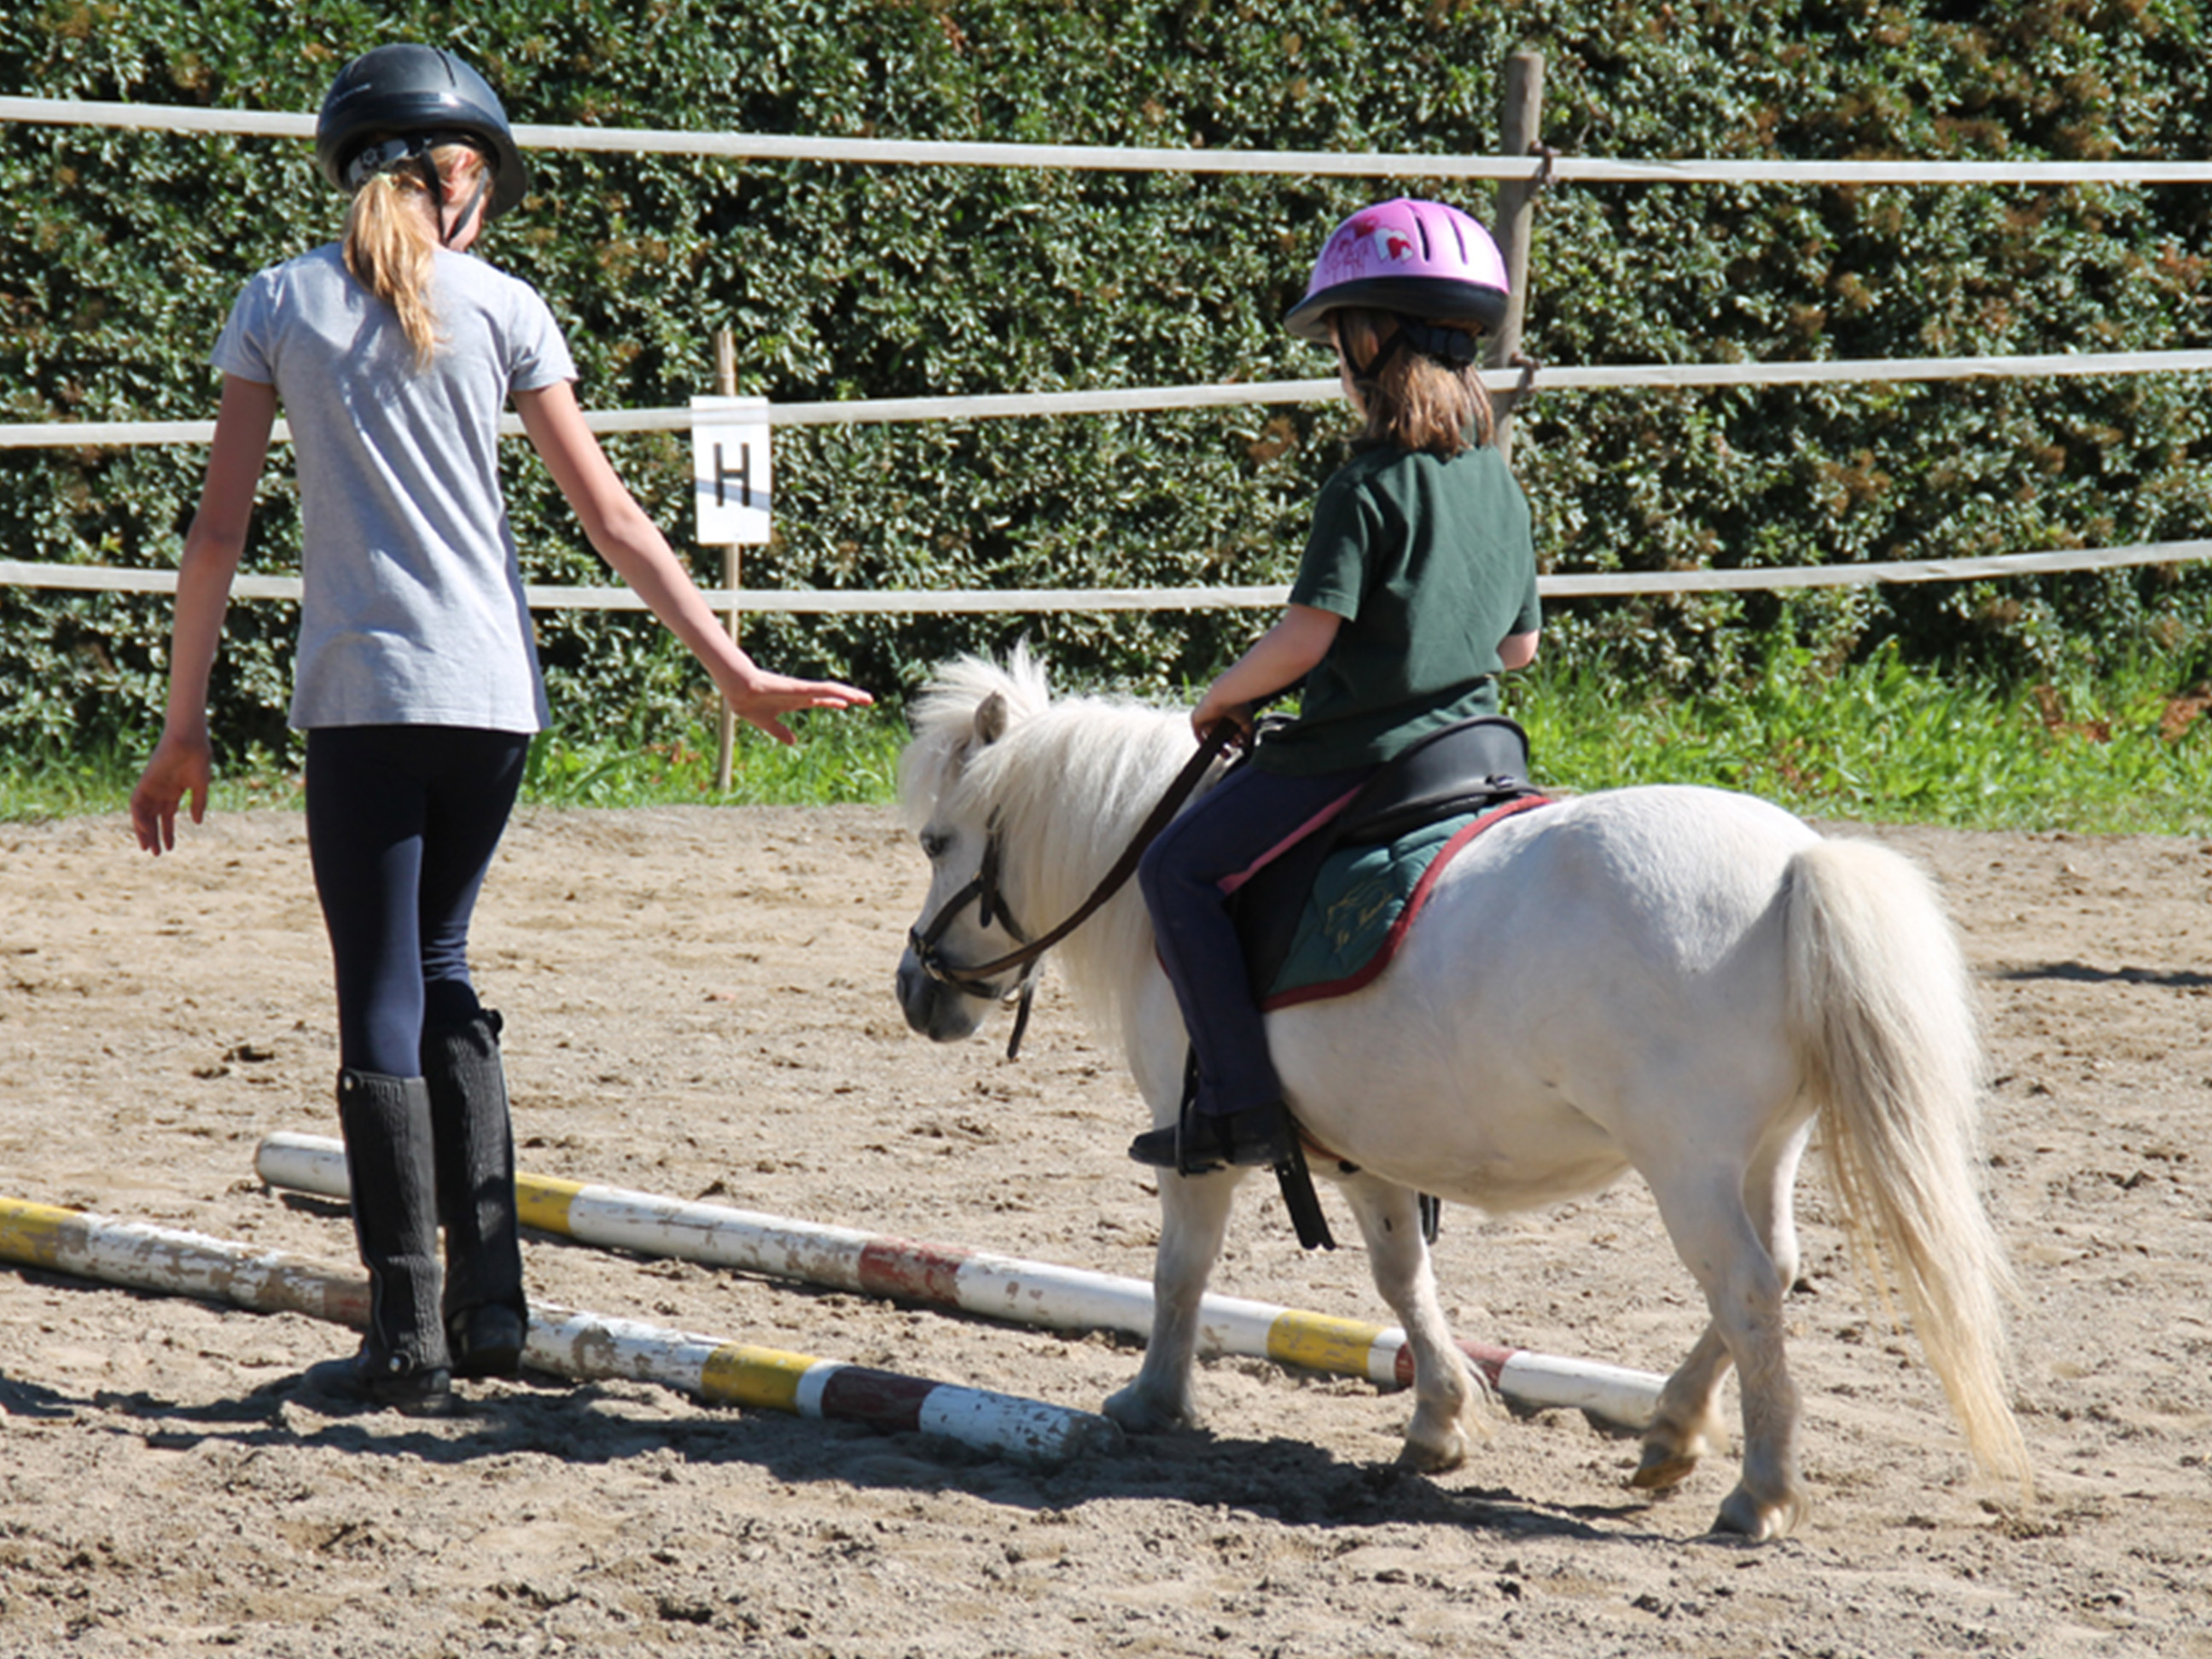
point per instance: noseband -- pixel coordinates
(982, 891)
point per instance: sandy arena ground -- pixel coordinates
(699, 1004)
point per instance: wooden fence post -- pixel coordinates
(1519, 129)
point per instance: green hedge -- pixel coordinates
(121, 251)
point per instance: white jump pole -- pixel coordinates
(994, 1286)
(564, 1341)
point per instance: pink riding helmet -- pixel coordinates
(1422, 259)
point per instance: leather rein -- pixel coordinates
(982, 890)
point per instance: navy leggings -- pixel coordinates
(402, 824)
(1224, 833)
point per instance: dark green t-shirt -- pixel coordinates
(1431, 563)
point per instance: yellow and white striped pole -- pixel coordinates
(87, 1245)
(585, 1345)
(996, 1286)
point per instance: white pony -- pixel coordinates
(1679, 979)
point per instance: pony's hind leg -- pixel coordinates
(1716, 1239)
(1448, 1395)
(1193, 1220)
(1686, 1423)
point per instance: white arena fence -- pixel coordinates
(880, 152)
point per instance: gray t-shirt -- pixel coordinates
(413, 610)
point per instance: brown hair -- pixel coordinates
(391, 240)
(1413, 400)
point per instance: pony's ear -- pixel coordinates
(991, 719)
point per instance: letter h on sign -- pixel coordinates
(730, 469)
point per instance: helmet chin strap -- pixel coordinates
(426, 168)
(1453, 347)
(446, 234)
(1366, 373)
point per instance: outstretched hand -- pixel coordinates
(764, 699)
(180, 769)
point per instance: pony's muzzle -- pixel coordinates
(937, 1009)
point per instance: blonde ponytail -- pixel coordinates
(391, 244)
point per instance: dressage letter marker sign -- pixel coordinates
(730, 469)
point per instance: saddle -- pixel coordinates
(1472, 768)
(1460, 771)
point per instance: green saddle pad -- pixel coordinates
(1351, 922)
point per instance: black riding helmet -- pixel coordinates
(401, 101)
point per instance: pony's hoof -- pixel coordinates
(1138, 1413)
(1662, 1466)
(1432, 1457)
(1437, 1439)
(1760, 1523)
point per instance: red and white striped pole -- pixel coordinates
(996, 1286)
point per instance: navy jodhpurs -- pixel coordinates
(402, 825)
(1222, 834)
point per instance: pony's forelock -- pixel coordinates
(943, 718)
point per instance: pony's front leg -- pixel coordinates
(1193, 1220)
(1449, 1397)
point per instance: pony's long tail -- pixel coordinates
(1882, 1012)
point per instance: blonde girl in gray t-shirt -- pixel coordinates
(393, 354)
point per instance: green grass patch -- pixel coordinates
(1877, 742)
(54, 783)
(839, 758)
(1881, 742)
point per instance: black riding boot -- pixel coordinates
(486, 1314)
(1199, 1141)
(403, 1361)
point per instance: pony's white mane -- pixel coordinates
(1067, 785)
(944, 722)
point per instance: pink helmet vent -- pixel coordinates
(1424, 259)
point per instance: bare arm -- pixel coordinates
(633, 545)
(1288, 652)
(1278, 658)
(183, 761)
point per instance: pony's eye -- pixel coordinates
(933, 845)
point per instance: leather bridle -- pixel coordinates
(982, 890)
